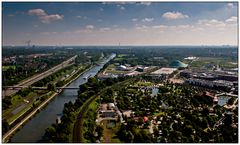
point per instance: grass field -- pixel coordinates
(145, 84)
(222, 62)
(18, 102)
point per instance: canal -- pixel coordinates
(34, 129)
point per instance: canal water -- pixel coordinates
(34, 129)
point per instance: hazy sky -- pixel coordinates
(130, 23)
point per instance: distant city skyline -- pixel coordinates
(130, 23)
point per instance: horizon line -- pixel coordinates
(121, 45)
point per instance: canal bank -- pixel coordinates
(34, 129)
(41, 106)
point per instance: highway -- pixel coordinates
(38, 77)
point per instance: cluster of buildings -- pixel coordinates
(223, 80)
(7, 60)
(122, 71)
(127, 70)
(108, 111)
(165, 72)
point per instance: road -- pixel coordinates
(38, 77)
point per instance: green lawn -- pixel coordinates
(145, 84)
(118, 59)
(122, 55)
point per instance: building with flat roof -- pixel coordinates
(164, 71)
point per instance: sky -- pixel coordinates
(127, 23)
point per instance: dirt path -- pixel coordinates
(107, 137)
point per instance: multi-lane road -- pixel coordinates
(35, 78)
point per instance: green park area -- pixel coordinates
(209, 61)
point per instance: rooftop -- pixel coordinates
(164, 70)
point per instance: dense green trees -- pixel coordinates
(60, 132)
(5, 126)
(51, 87)
(6, 102)
(182, 120)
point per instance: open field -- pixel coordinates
(222, 62)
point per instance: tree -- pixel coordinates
(51, 87)
(99, 130)
(83, 88)
(5, 126)
(50, 133)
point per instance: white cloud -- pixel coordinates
(51, 18)
(86, 29)
(232, 19)
(142, 27)
(211, 23)
(174, 15)
(44, 17)
(38, 12)
(230, 5)
(147, 19)
(105, 29)
(145, 3)
(89, 27)
(81, 17)
(101, 9)
(159, 26)
(134, 19)
(122, 8)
